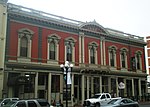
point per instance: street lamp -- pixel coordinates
(67, 67)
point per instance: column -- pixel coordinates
(92, 85)
(117, 90)
(132, 87)
(102, 51)
(83, 88)
(72, 90)
(88, 87)
(140, 94)
(100, 84)
(61, 88)
(125, 89)
(36, 85)
(49, 87)
(109, 84)
(81, 47)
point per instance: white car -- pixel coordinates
(7, 100)
(97, 99)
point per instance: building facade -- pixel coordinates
(147, 55)
(38, 42)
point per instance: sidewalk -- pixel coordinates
(144, 102)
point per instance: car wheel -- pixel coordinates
(97, 105)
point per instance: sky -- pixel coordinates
(129, 16)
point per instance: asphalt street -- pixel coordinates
(144, 105)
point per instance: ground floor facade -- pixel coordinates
(51, 85)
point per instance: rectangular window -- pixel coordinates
(69, 52)
(55, 84)
(92, 55)
(52, 55)
(133, 63)
(112, 59)
(52, 50)
(92, 60)
(41, 80)
(69, 57)
(23, 52)
(123, 60)
(138, 62)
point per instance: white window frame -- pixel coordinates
(114, 49)
(72, 41)
(123, 50)
(29, 34)
(138, 53)
(56, 39)
(95, 45)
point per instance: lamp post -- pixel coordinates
(65, 68)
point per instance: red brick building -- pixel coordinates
(148, 51)
(37, 43)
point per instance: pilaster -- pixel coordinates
(36, 85)
(83, 88)
(3, 26)
(132, 87)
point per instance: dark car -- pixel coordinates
(29, 103)
(123, 102)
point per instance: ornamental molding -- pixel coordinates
(25, 32)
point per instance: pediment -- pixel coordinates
(94, 26)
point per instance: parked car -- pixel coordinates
(7, 100)
(98, 99)
(29, 103)
(121, 102)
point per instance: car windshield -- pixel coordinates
(96, 96)
(113, 101)
(11, 102)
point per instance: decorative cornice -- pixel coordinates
(59, 22)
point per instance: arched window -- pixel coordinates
(24, 44)
(92, 55)
(123, 60)
(123, 57)
(138, 60)
(52, 50)
(112, 56)
(69, 52)
(24, 47)
(70, 49)
(93, 52)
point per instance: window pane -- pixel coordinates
(21, 104)
(133, 63)
(55, 87)
(69, 53)
(31, 104)
(138, 62)
(52, 51)
(92, 56)
(112, 58)
(23, 47)
(123, 59)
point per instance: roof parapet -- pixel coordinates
(41, 14)
(122, 34)
(47, 16)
